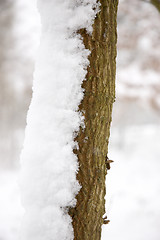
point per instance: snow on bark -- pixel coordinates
(48, 174)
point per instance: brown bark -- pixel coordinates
(96, 107)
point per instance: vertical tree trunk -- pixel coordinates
(96, 107)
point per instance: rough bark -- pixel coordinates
(96, 107)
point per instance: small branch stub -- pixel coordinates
(105, 221)
(108, 162)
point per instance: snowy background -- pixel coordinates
(133, 183)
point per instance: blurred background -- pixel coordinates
(133, 183)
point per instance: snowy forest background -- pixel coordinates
(133, 184)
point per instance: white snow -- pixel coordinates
(133, 184)
(48, 175)
(133, 188)
(10, 206)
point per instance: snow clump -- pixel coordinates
(48, 174)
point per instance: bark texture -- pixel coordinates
(96, 107)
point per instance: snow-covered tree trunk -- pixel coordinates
(68, 122)
(96, 106)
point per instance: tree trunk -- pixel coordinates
(96, 108)
(156, 3)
